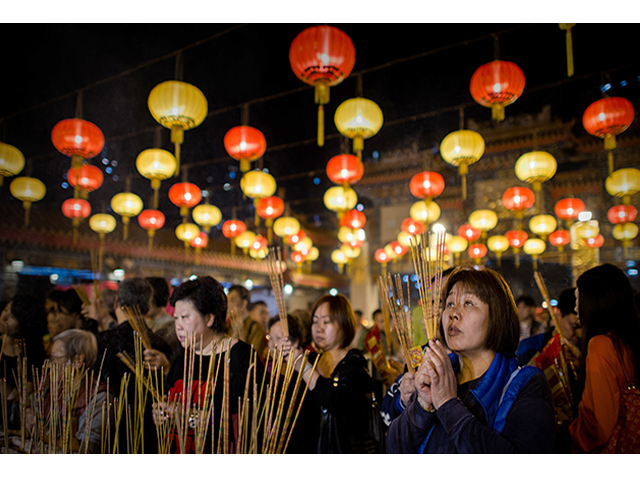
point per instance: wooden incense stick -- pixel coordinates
(274, 262)
(394, 297)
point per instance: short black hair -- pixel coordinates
(376, 312)
(527, 300)
(340, 312)
(207, 296)
(357, 312)
(243, 292)
(69, 301)
(160, 291)
(257, 304)
(135, 293)
(295, 328)
(567, 301)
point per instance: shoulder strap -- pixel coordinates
(518, 379)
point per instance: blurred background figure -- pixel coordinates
(248, 330)
(529, 326)
(260, 313)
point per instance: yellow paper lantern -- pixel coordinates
(407, 240)
(534, 247)
(535, 168)
(313, 255)
(207, 216)
(625, 232)
(457, 244)
(256, 184)
(244, 240)
(28, 190)
(543, 225)
(339, 258)
(483, 220)
(178, 106)
(339, 199)
(391, 254)
(285, 226)
(102, 223)
(498, 244)
(259, 254)
(303, 245)
(346, 234)
(623, 183)
(461, 149)
(358, 118)
(156, 164)
(187, 232)
(126, 205)
(587, 230)
(425, 212)
(350, 252)
(11, 161)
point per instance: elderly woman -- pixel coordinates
(341, 383)
(611, 345)
(490, 406)
(200, 313)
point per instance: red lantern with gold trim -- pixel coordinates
(518, 200)
(595, 242)
(76, 209)
(569, 209)
(151, 220)
(233, 228)
(477, 251)
(295, 238)
(353, 219)
(560, 238)
(345, 169)
(185, 195)
(426, 185)
(516, 238)
(86, 177)
(622, 214)
(78, 139)
(496, 85)
(410, 226)
(245, 144)
(469, 233)
(608, 117)
(398, 248)
(322, 56)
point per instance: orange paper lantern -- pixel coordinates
(496, 85)
(76, 209)
(518, 199)
(427, 185)
(569, 208)
(560, 238)
(607, 118)
(477, 251)
(353, 219)
(410, 226)
(595, 242)
(86, 177)
(78, 139)
(622, 214)
(345, 169)
(245, 144)
(185, 195)
(469, 233)
(233, 228)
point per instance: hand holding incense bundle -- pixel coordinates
(136, 320)
(274, 262)
(400, 314)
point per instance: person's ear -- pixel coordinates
(212, 317)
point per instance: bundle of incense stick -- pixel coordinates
(274, 261)
(428, 264)
(400, 314)
(385, 316)
(236, 325)
(136, 320)
(82, 294)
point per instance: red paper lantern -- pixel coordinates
(410, 226)
(87, 177)
(560, 238)
(569, 208)
(245, 144)
(75, 137)
(353, 219)
(355, 243)
(270, 207)
(518, 199)
(477, 250)
(398, 248)
(297, 257)
(200, 241)
(516, 238)
(233, 228)
(426, 185)
(295, 238)
(496, 85)
(607, 118)
(259, 243)
(345, 169)
(595, 242)
(469, 233)
(622, 214)
(381, 256)
(76, 208)
(185, 195)
(151, 219)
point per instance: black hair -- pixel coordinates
(295, 327)
(69, 301)
(606, 304)
(527, 300)
(135, 293)
(376, 312)
(207, 296)
(243, 292)
(567, 301)
(160, 291)
(304, 318)
(257, 304)
(340, 312)
(32, 325)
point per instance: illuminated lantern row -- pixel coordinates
(77, 210)
(345, 170)
(536, 168)
(257, 185)
(102, 223)
(178, 106)
(426, 185)
(518, 200)
(622, 214)
(623, 183)
(569, 209)
(151, 220)
(461, 149)
(78, 139)
(304, 245)
(27, 190)
(587, 230)
(85, 179)
(245, 144)
(457, 244)
(543, 225)
(322, 56)
(358, 119)
(126, 205)
(295, 237)
(496, 85)
(186, 232)
(206, 216)
(11, 161)
(156, 164)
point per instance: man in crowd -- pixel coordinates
(248, 330)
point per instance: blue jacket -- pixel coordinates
(485, 418)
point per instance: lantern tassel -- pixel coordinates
(497, 112)
(197, 256)
(320, 126)
(150, 234)
(464, 187)
(610, 161)
(499, 256)
(270, 236)
(27, 209)
(569, 53)
(517, 260)
(535, 263)
(233, 247)
(125, 228)
(177, 155)
(384, 269)
(609, 142)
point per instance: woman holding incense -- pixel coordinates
(489, 406)
(341, 383)
(611, 349)
(304, 438)
(200, 314)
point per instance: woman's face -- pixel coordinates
(60, 320)
(326, 333)
(189, 322)
(59, 354)
(465, 321)
(11, 325)
(276, 337)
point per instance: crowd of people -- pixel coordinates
(498, 378)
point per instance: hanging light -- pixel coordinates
(270, 208)
(407, 240)
(461, 149)
(312, 255)
(285, 226)
(457, 244)
(298, 258)
(497, 84)
(350, 252)
(358, 118)
(207, 216)
(259, 254)
(623, 183)
(199, 242)
(398, 248)
(477, 251)
(412, 227)
(77, 210)
(339, 258)
(518, 200)
(11, 161)
(151, 220)
(185, 195)
(86, 178)
(587, 230)
(426, 185)
(388, 249)
(322, 56)
(483, 220)
(560, 238)
(595, 242)
(622, 214)
(425, 212)
(534, 247)
(345, 169)
(257, 185)
(126, 205)
(27, 190)
(542, 225)
(382, 258)
(187, 232)
(498, 244)
(516, 238)
(156, 164)
(353, 219)
(231, 229)
(304, 245)
(340, 199)
(536, 168)
(625, 233)
(569, 209)
(245, 144)
(355, 243)
(102, 223)
(78, 139)
(469, 233)
(259, 242)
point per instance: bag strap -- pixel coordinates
(617, 345)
